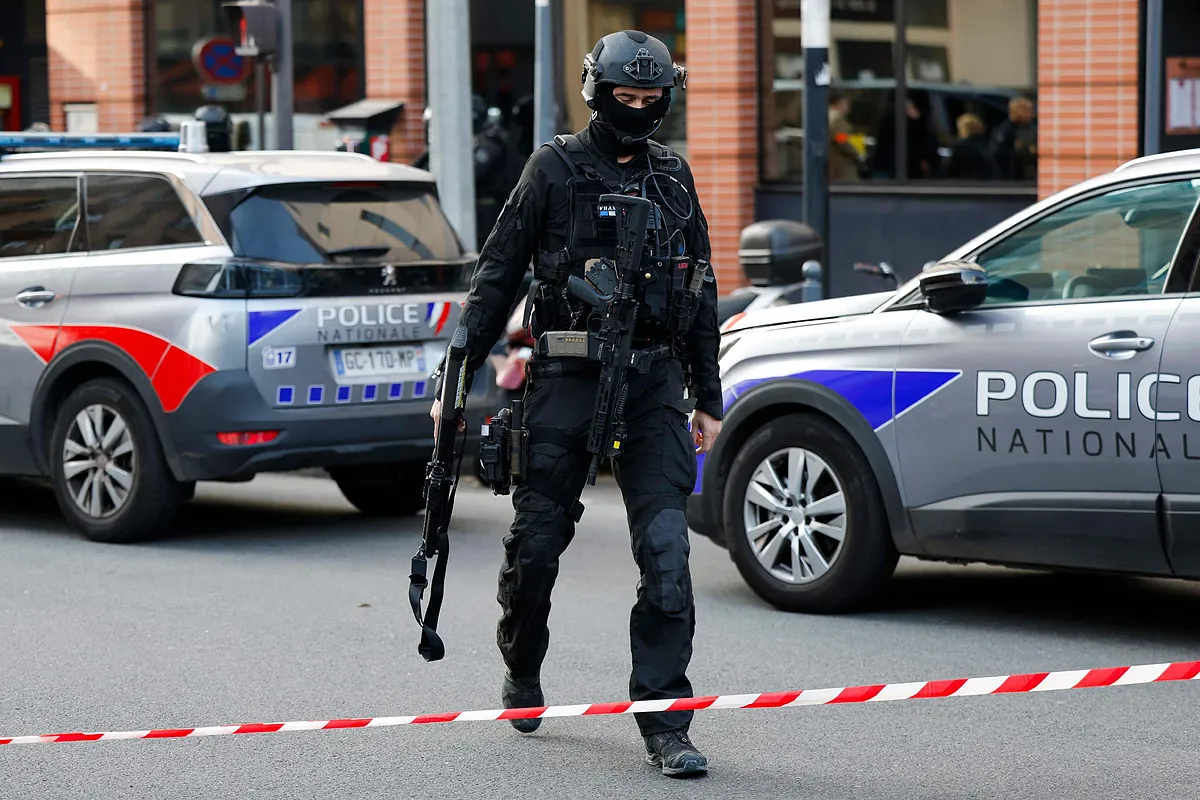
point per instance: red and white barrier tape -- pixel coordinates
(960, 687)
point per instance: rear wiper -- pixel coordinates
(360, 250)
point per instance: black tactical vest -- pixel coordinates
(669, 295)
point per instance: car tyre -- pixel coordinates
(829, 462)
(383, 490)
(108, 470)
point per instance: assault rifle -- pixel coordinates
(609, 288)
(440, 486)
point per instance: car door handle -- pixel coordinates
(1120, 344)
(35, 296)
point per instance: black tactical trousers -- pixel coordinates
(656, 472)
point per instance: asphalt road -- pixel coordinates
(274, 601)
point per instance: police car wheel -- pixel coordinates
(109, 474)
(804, 517)
(383, 490)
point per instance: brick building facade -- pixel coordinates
(1088, 78)
(1088, 89)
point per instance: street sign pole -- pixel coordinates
(814, 38)
(543, 70)
(260, 101)
(1154, 83)
(281, 79)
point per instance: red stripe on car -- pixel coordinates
(173, 372)
(445, 315)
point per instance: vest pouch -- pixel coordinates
(687, 277)
(545, 308)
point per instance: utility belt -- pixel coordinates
(504, 441)
(585, 348)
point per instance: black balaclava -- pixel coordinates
(615, 122)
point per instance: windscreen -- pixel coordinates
(344, 233)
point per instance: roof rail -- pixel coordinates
(39, 155)
(1158, 157)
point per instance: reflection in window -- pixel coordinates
(343, 224)
(126, 211)
(327, 53)
(37, 216)
(969, 112)
(1119, 243)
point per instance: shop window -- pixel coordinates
(327, 53)
(967, 63)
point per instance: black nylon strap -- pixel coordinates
(431, 646)
(571, 150)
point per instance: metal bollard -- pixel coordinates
(810, 288)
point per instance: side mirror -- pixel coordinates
(953, 286)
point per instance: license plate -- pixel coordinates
(368, 364)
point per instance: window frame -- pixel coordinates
(209, 234)
(1188, 249)
(78, 233)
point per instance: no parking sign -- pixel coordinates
(218, 63)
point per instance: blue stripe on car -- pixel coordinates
(261, 323)
(879, 395)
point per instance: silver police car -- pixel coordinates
(167, 318)
(1031, 400)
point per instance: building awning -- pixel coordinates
(372, 111)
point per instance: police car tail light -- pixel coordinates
(246, 438)
(239, 278)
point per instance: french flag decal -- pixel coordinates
(436, 315)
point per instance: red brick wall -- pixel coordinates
(395, 44)
(1088, 103)
(95, 56)
(722, 125)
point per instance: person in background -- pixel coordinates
(845, 163)
(1014, 142)
(921, 159)
(970, 157)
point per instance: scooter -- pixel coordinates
(881, 270)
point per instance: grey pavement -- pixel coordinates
(274, 601)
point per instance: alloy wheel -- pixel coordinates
(98, 461)
(795, 515)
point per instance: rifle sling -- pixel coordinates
(431, 647)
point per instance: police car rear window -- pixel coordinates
(343, 223)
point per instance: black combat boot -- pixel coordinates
(675, 753)
(522, 693)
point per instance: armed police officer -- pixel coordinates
(555, 218)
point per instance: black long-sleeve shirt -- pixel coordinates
(537, 216)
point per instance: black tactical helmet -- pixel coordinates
(630, 58)
(155, 125)
(218, 127)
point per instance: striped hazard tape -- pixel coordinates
(960, 687)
